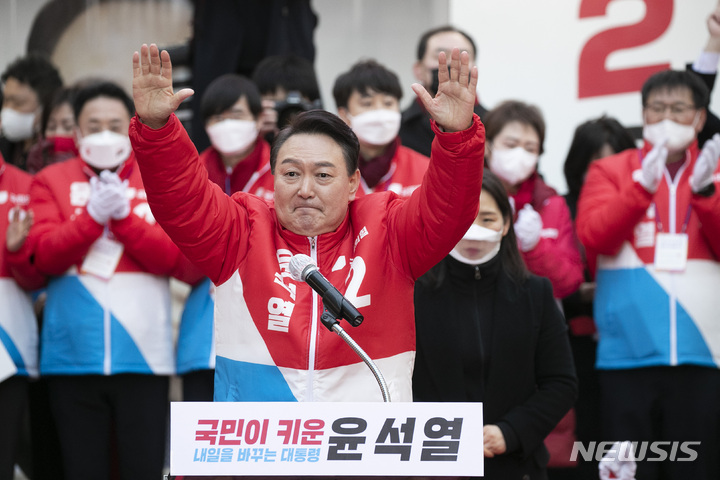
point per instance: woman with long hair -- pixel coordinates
(490, 331)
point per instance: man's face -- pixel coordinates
(103, 113)
(677, 104)
(312, 186)
(440, 42)
(364, 102)
(20, 97)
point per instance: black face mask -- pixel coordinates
(435, 82)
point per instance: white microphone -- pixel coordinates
(304, 269)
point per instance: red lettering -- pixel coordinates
(594, 79)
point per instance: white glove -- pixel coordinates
(528, 227)
(620, 460)
(705, 165)
(653, 167)
(100, 204)
(107, 200)
(122, 209)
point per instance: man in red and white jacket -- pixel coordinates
(18, 326)
(649, 219)
(107, 341)
(238, 158)
(368, 100)
(270, 345)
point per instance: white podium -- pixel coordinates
(280, 438)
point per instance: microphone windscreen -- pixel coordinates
(298, 263)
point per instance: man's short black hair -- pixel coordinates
(36, 71)
(289, 72)
(362, 77)
(102, 89)
(225, 91)
(422, 44)
(673, 79)
(320, 122)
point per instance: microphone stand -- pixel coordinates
(332, 324)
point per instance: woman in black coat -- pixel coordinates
(489, 331)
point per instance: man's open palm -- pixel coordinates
(153, 93)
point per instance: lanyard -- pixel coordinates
(684, 226)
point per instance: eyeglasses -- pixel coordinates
(676, 109)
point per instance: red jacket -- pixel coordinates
(261, 181)
(92, 325)
(64, 230)
(18, 326)
(645, 316)
(15, 191)
(556, 256)
(406, 172)
(269, 342)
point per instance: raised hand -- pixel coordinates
(713, 26)
(452, 106)
(153, 93)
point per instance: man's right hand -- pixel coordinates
(153, 93)
(653, 167)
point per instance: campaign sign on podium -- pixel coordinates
(334, 438)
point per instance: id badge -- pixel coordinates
(671, 252)
(103, 257)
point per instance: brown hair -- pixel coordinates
(514, 111)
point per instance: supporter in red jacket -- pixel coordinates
(18, 326)
(107, 344)
(269, 343)
(515, 133)
(238, 158)
(368, 100)
(649, 219)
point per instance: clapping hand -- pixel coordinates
(706, 164)
(108, 198)
(653, 167)
(18, 228)
(452, 106)
(528, 228)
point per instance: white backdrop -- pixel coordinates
(528, 49)
(531, 51)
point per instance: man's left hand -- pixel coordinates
(706, 164)
(452, 106)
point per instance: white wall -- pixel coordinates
(16, 17)
(385, 30)
(527, 50)
(530, 50)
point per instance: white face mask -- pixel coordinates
(678, 136)
(232, 136)
(479, 234)
(17, 126)
(376, 127)
(513, 165)
(105, 150)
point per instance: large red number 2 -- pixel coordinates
(594, 79)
